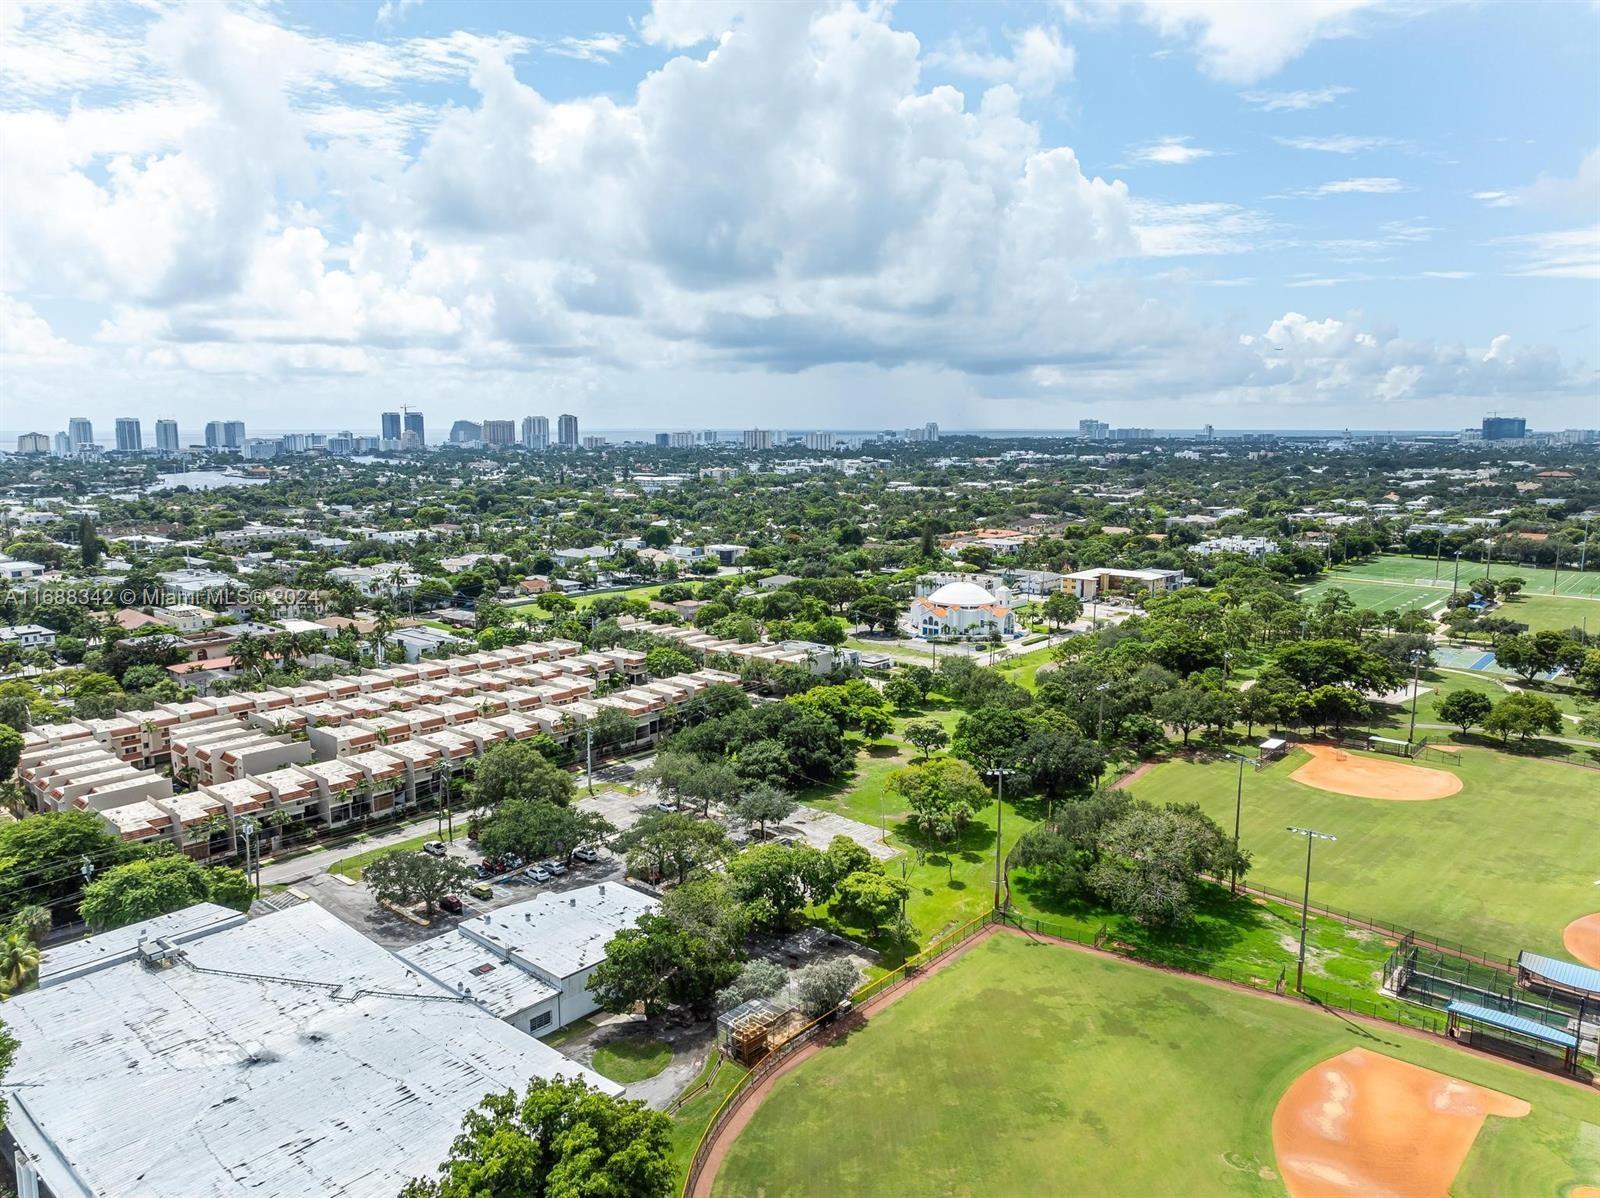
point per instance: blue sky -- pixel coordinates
(708, 212)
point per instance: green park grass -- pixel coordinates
(1029, 1068)
(580, 602)
(1402, 567)
(1232, 937)
(632, 1060)
(351, 867)
(689, 1121)
(1503, 865)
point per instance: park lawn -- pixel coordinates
(1503, 865)
(1029, 1068)
(950, 885)
(1236, 938)
(1378, 595)
(352, 866)
(1446, 682)
(579, 602)
(632, 1060)
(689, 1121)
(1024, 668)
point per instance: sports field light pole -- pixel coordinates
(1416, 676)
(999, 815)
(1305, 902)
(1238, 807)
(1455, 582)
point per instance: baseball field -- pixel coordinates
(1030, 1068)
(1504, 862)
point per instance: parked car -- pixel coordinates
(666, 807)
(451, 904)
(434, 848)
(481, 890)
(554, 868)
(538, 873)
(481, 871)
(514, 862)
(586, 854)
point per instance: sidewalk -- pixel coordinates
(312, 864)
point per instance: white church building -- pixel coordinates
(961, 611)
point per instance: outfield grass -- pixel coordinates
(689, 1121)
(626, 1061)
(1504, 865)
(1028, 1068)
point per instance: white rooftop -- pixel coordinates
(319, 1064)
(555, 934)
(961, 594)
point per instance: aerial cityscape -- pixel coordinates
(720, 600)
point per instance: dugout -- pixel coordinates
(1389, 745)
(752, 1029)
(1549, 975)
(1509, 1035)
(1271, 749)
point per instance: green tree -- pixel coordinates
(869, 899)
(517, 770)
(1524, 715)
(403, 878)
(1464, 709)
(19, 959)
(943, 795)
(927, 735)
(761, 805)
(782, 878)
(145, 889)
(42, 857)
(672, 845)
(664, 660)
(1058, 762)
(560, 1140)
(532, 829)
(822, 986)
(1062, 607)
(757, 979)
(1149, 862)
(10, 752)
(660, 962)
(901, 693)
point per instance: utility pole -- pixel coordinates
(247, 828)
(1305, 902)
(1455, 582)
(1583, 553)
(588, 737)
(999, 815)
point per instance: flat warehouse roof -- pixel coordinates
(290, 1055)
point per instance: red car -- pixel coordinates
(451, 904)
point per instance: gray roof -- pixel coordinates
(287, 1056)
(1513, 1023)
(96, 951)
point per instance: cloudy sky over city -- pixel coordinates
(708, 213)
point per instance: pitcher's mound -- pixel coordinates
(1373, 777)
(1582, 938)
(1363, 1123)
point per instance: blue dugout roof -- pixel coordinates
(1562, 973)
(1513, 1023)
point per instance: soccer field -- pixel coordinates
(1403, 568)
(1503, 865)
(1028, 1068)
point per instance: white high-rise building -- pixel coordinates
(930, 431)
(1093, 430)
(167, 436)
(33, 443)
(682, 441)
(758, 438)
(214, 434)
(80, 433)
(129, 437)
(63, 445)
(536, 433)
(819, 441)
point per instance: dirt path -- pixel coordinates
(1133, 775)
(729, 1131)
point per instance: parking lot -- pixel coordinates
(354, 904)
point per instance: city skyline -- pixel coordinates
(1288, 221)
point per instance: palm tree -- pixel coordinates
(19, 958)
(32, 920)
(248, 654)
(382, 630)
